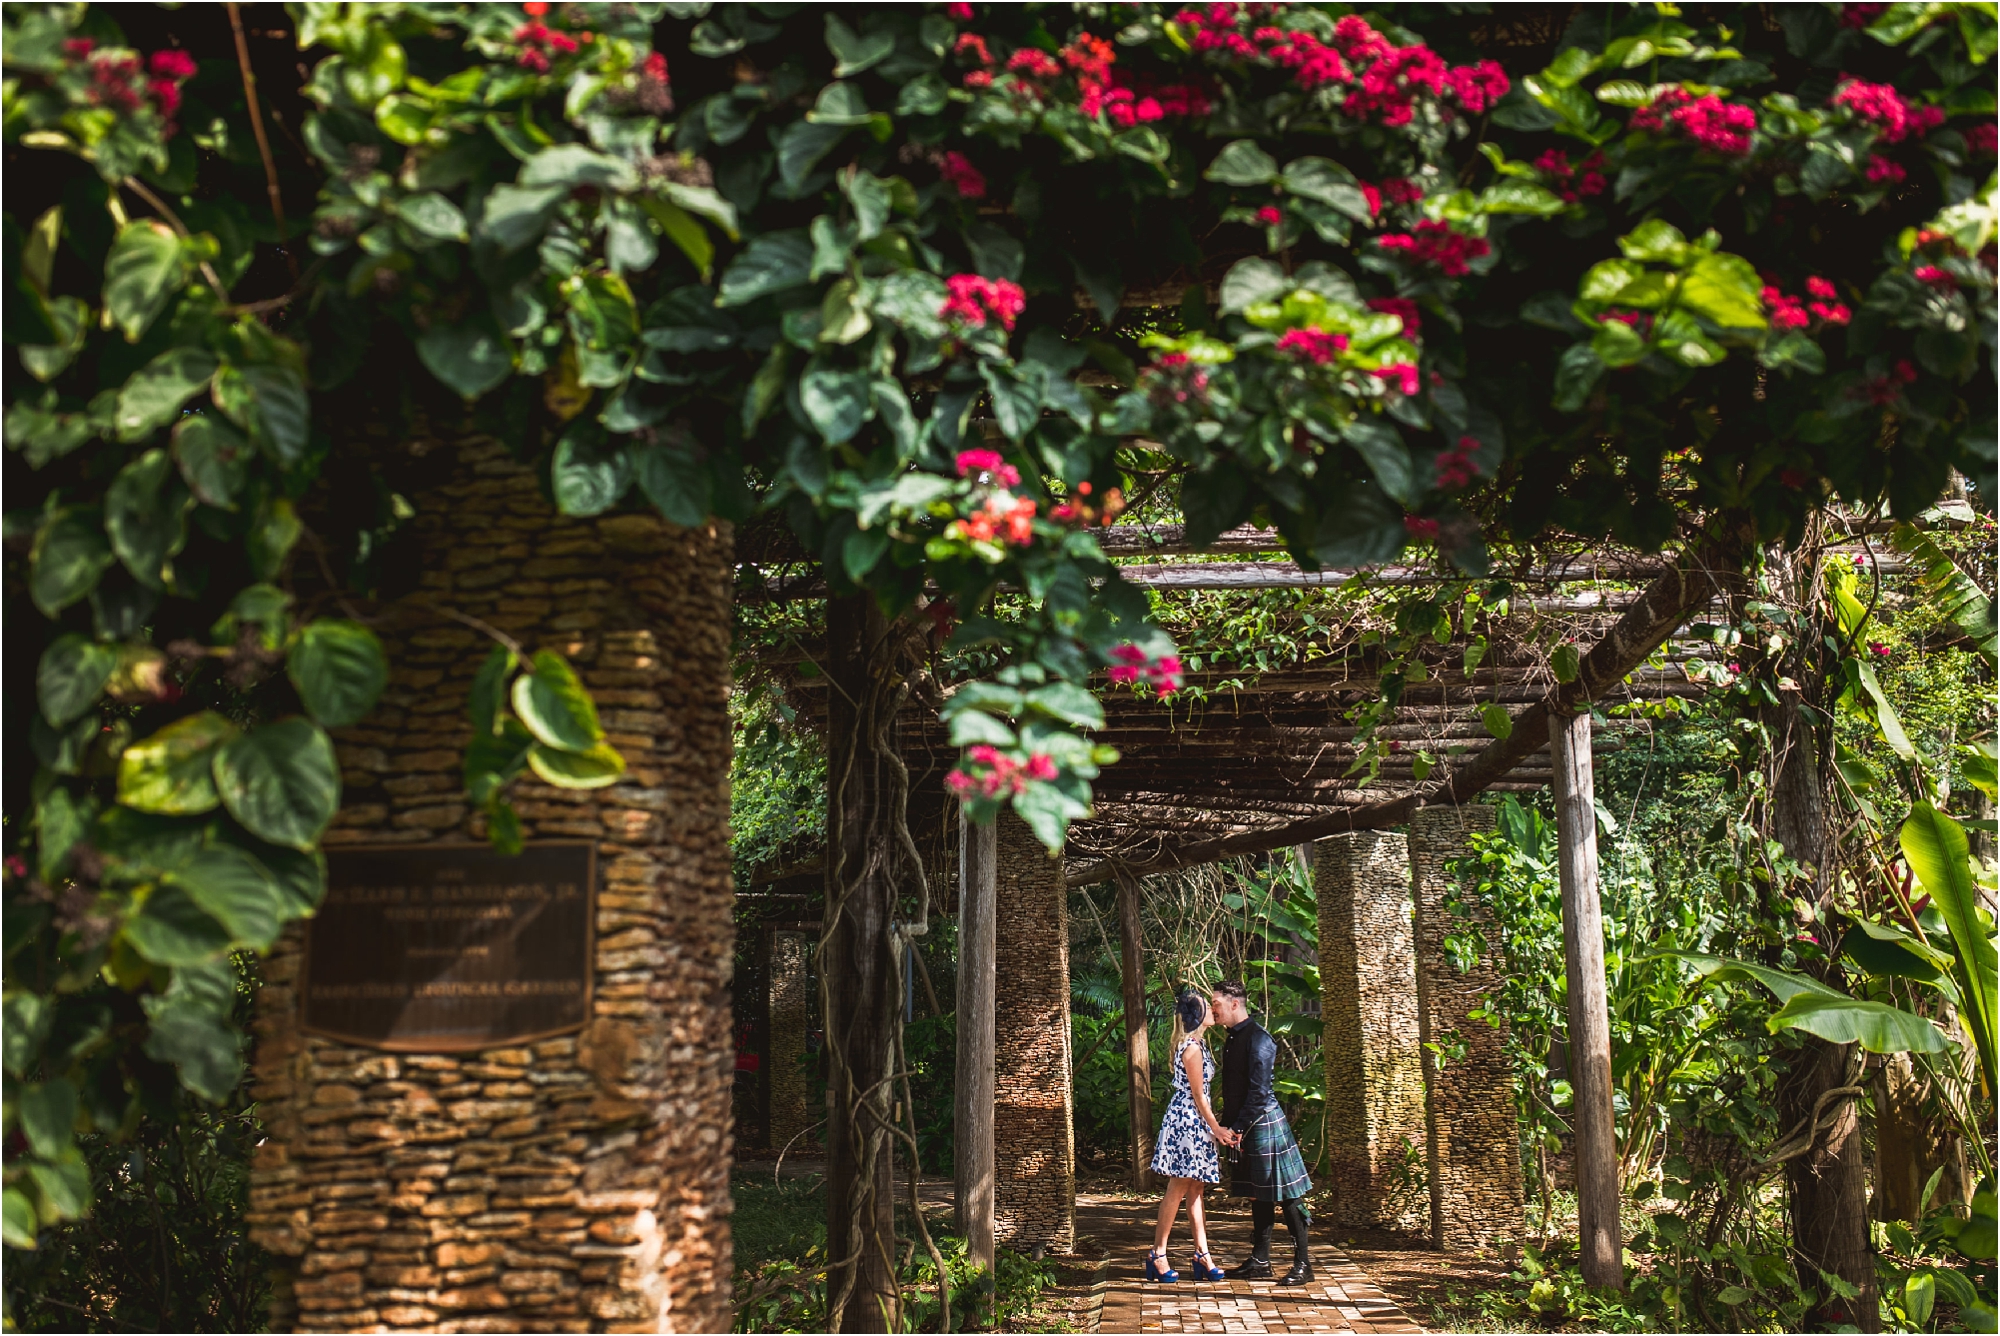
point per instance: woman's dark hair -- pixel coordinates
(1193, 1008)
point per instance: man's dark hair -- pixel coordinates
(1231, 988)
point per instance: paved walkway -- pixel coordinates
(1340, 1299)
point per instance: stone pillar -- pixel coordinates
(788, 989)
(1368, 1006)
(1473, 1137)
(1034, 1145)
(580, 1182)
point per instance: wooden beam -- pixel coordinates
(972, 1097)
(1138, 1057)
(1600, 1241)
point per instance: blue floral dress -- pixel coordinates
(1185, 1149)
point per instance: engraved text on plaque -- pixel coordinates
(450, 947)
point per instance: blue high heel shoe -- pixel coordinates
(1206, 1269)
(1155, 1272)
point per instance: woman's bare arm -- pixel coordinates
(1191, 1063)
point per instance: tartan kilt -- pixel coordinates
(1269, 1166)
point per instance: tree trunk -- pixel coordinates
(1828, 1185)
(1138, 1057)
(1599, 1238)
(973, 1097)
(861, 990)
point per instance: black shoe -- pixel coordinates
(1253, 1268)
(1300, 1274)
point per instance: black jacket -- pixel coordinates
(1247, 1062)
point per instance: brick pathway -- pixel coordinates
(1340, 1299)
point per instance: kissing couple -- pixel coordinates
(1267, 1165)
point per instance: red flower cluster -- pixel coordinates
(1130, 665)
(540, 44)
(1887, 389)
(999, 515)
(1398, 376)
(1882, 171)
(1173, 377)
(1883, 107)
(1390, 77)
(998, 471)
(1270, 215)
(1405, 310)
(1436, 244)
(1035, 64)
(1455, 468)
(958, 13)
(1720, 127)
(1792, 313)
(973, 298)
(1317, 346)
(1982, 137)
(1420, 527)
(1573, 183)
(1932, 276)
(959, 173)
(1081, 511)
(996, 774)
(1860, 16)
(119, 82)
(1400, 190)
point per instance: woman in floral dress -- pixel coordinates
(1185, 1154)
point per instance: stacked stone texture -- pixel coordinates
(1368, 1007)
(789, 982)
(1473, 1132)
(575, 1184)
(1034, 1146)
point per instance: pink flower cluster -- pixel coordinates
(1932, 276)
(1720, 127)
(1176, 379)
(119, 82)
(1884, 390)
(1455, 468)
(1131, 665)
(1390, 77)
(1883, 107)
(1982, 138)
(541, 44)
(1884, 171)
(1860, 16)
(1405, 310)
(958, 13)
(988, 462)
(1317, 346)
(1270, 215)
(1420, 527)
(1794, 313)
(996, 774)
(1573, 183)
(999, 516)
(1398, 376)
(1438, 245)
(959, 173)
(1090, 59)
(973, 298)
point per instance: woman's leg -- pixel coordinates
(1198, 1216)
(1170, 1206)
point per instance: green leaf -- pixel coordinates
(775, 262)
(1725, 288)
(432, 216)
(70, 317)
(593, 769)
(702, 202)
(1734, 1295)
(1950, 590)
(677, 484)
(683, 231)
(1577, 375)
(69, 555)
(571, 165)
(835, 398)
(1654, 239)
(339, 669)
(238, 892)
(171, 929)
(516, 215)
(214, 459)
(145, 513)
(17, 1220)
(1387, 457)
(1498, 722)
(141, 274)
(1884, 712)
(48, 1117)
(154, 395)
(553, 704)
(803, 144)
(1936, 849)
(590, 473)
(71, 676)
(1068, 702)
(470, 357)
(1565, 663)
(1249, 281)
(190, 1031)
(1017, 396)
(64, 1184)
(1875, 1026)
(1520, 197)
(1784, 983)
(853, 53)
(270, 402)
(1242, 163)
(972, 727)
(281, 782)
(171, 772)
(1328, 183)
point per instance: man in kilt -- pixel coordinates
(1268, 1168)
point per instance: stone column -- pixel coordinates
(580, 1182)
(1034, 1146)
(1368, 1006)
(789, 988)
(1473, 1139)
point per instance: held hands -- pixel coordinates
(1228, 1138)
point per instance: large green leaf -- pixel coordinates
(281, 782)
(771, 263)
(1884, 713)
(141, 274)
(1242, 163)
(238, 892)
(555, 707)
(470, 357)
(214, 459)
(154, 395)
(70, 553)
(594, 769)
(1724, 288)
(47, 1111)
(171, 771)
(70, 677)
(589, 473)
(145, 514)
(1717, 969)
(191, 1028)
(339, 669)
(171, 929)
(1876, 1026)
(1936, 848)
(1950, 590)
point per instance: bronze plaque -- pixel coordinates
(443, 948)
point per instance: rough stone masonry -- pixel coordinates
(1473, 1130)
(575, 1184)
